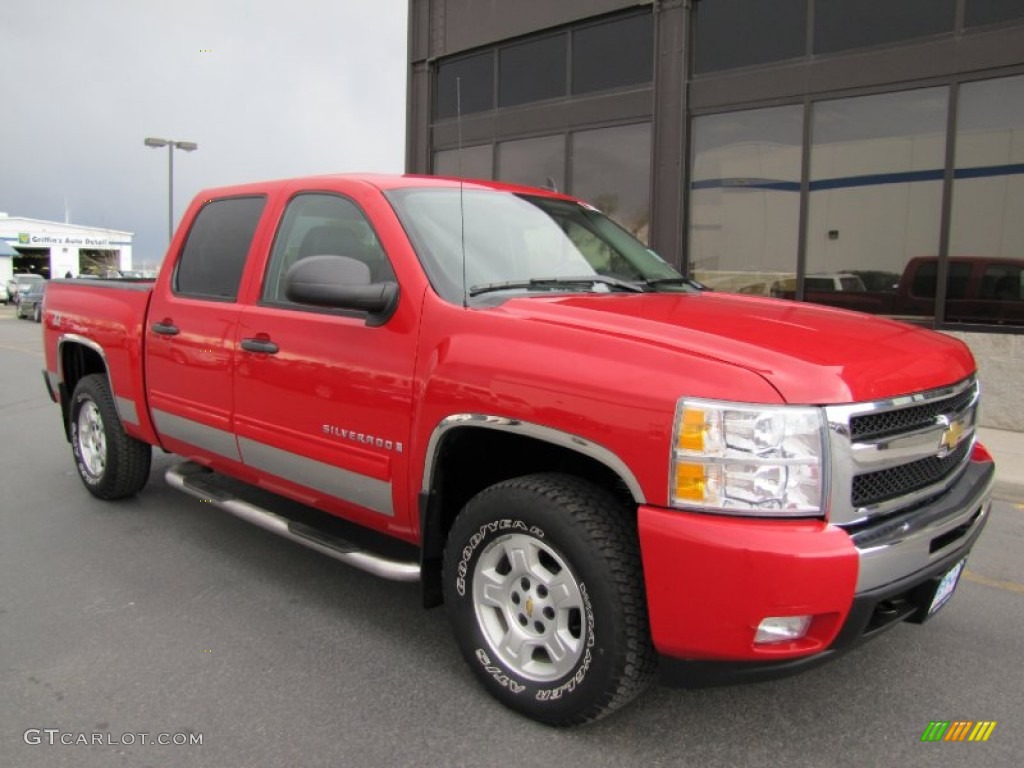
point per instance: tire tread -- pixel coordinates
(128, 459)
(604, 523)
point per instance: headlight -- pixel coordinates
(743, 459)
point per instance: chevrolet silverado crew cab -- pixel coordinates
(500, 394)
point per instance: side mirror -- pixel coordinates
(340, 282)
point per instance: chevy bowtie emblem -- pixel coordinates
(951, 438)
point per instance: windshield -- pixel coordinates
(516, 243)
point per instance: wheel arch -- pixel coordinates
(469, 452)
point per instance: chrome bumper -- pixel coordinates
(901, 545)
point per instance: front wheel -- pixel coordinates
(37, 314)
(111, 463)
(544, 589)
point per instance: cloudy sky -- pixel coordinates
(267, 88)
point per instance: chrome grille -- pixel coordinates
(895, 482)
(889, 455)
(907, 419)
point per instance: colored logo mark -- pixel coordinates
(958, 730)
(951, 437)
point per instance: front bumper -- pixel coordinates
(711, 580)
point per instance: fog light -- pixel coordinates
(782, 629)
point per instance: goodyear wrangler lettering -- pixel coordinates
(474, 541)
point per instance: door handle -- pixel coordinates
(264, 346)
(165, 328)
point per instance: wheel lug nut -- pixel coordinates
(542, 591)
(522, 620)
(515, 598)
(549, 613)
(538, 626)
(525, 583)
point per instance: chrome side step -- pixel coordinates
(196, 480)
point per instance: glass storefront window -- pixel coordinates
(473, 76)
(742, 33)
(613, 54)
(987, 226)
(532, 71)
(474, 163)
(840, 25)
(534, 162)
(611, 169)
(745, 200)
(876, 200)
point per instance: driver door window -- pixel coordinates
(322, 224)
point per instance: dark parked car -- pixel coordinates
(30, 303)
(20, 283)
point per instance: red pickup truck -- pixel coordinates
(497, 392)
(979, 289)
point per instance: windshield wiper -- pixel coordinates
(551, 282)
(656, 281)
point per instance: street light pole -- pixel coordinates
(171, 144)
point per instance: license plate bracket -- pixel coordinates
(946, 587)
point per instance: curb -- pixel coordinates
(1008, 490)
(1007, 448)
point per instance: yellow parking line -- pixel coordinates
(1007, 586)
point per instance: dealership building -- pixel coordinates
(863, 154)
(54, 249)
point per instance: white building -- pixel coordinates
(54, 249)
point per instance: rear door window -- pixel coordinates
(213, 258)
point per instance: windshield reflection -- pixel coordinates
(476, 241)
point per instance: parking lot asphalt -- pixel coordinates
(160, 615)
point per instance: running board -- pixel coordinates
(200, 482)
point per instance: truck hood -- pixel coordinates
(810, 354)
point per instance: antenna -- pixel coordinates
(462, 205)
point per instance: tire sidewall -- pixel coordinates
(82, 396)
(555, 701)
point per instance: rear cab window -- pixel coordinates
(214, 255)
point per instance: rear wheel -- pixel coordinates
(544, 589)
(111, 463)
(37, 313)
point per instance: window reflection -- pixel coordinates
(613, 54)
(987, 226)
(467, 163)
(840, 24)
(535, 162)
(532, 71)
(979, 12)
(466, 83)
(611, 168)
(745, 200)
(741, 33)
(876, 199)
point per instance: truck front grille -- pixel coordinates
(890, 455)
(896, 482)
(886, 423)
